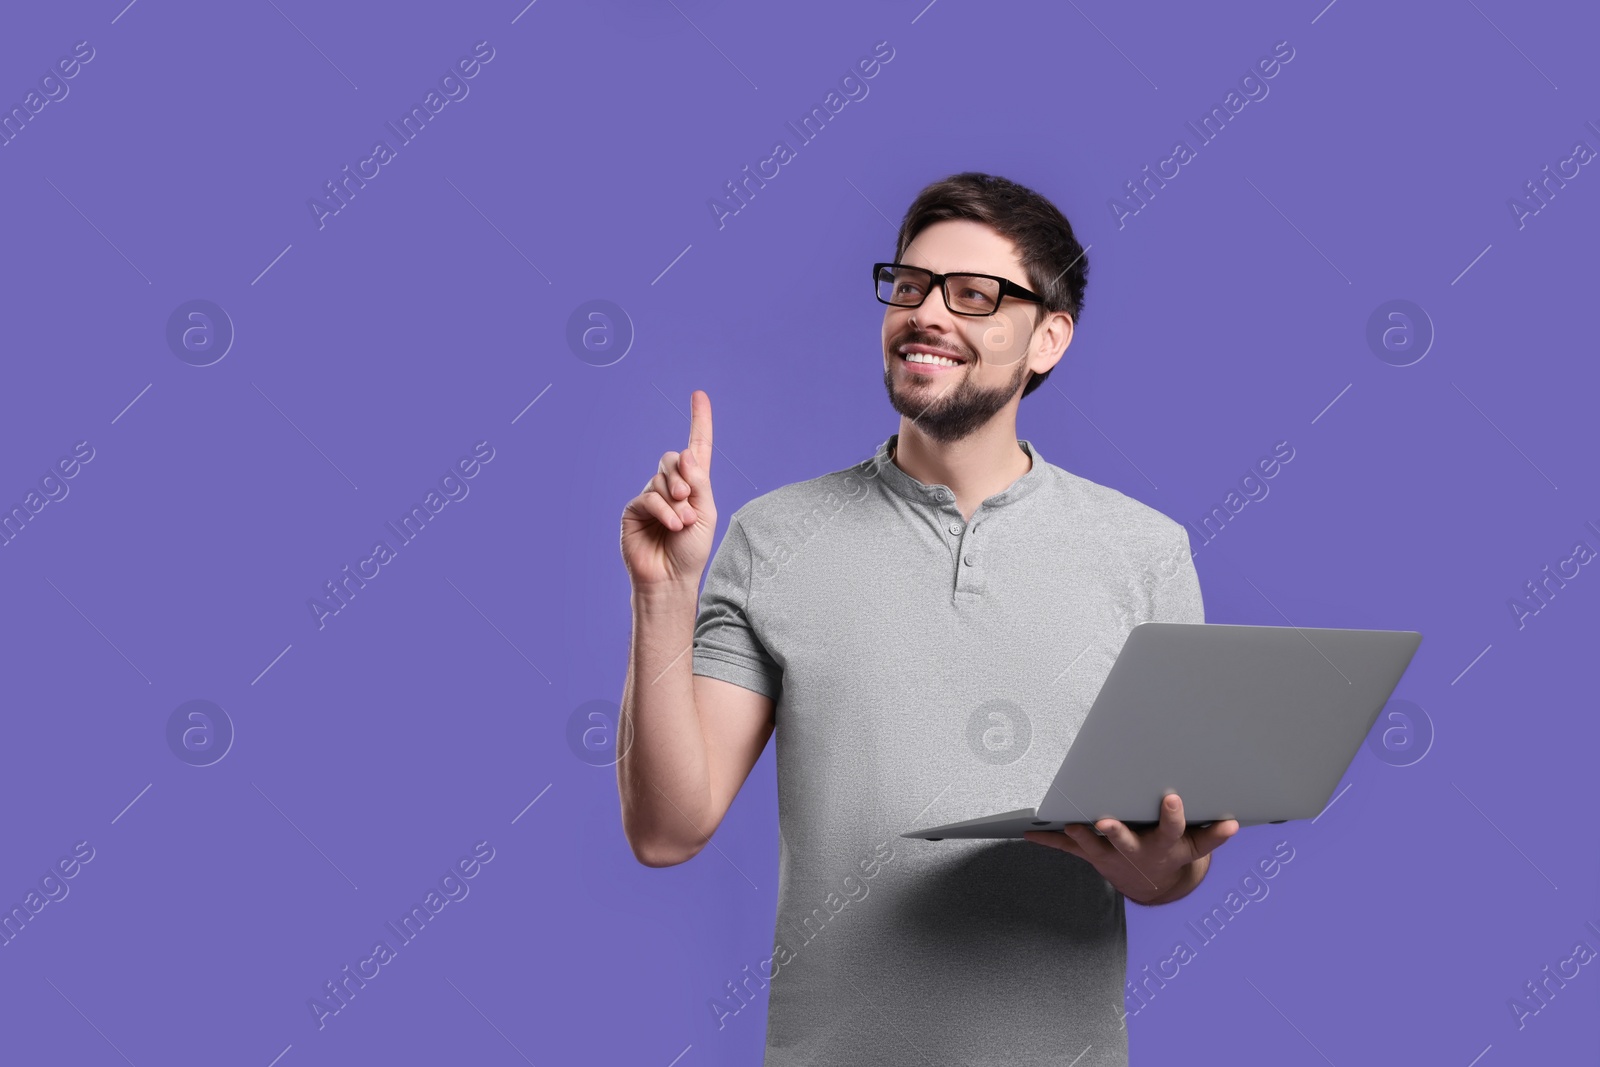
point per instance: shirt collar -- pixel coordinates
(938, 495)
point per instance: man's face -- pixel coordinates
(950, 402)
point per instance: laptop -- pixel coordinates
(1254, 723)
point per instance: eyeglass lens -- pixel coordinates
(908, 286)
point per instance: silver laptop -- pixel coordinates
(1254, 723)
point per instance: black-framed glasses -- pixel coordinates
(964, 293)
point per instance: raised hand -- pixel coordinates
(667, 529)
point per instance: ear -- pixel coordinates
(1053, 335)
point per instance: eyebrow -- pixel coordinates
(963, 270)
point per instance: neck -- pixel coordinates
(975, 467)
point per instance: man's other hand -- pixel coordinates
(1150, 867)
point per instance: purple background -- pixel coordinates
(433, 309)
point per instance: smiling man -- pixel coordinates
(924, 633)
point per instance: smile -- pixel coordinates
(920, 360)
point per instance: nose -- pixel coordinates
(933, 315)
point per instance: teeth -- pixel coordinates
(923, 357)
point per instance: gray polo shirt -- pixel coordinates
(926, 669)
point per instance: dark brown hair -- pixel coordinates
(1055, 262)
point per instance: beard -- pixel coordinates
(948, 412)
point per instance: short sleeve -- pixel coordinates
(725, 642)
(1177, 594)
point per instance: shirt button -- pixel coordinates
(955, 527)
(942, 495)
(970, 559)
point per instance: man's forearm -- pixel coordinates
(661, 770)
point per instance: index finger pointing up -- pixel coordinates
(700, 427)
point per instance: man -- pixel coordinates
(925, 631)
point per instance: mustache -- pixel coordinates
(915, 337)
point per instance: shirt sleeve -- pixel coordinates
(1177, 597)
(725, 642)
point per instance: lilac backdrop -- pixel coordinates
(242, 858)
